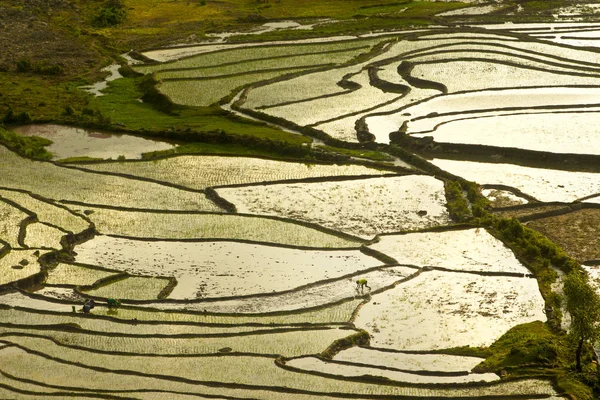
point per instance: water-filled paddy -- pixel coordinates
(543, 184)
(463, 250)
(10, 223)
(407, 361)
(49, 181)
(19, 264)
(450, 309)
(164, 225)
(362, 207)
(68, 274)
(200, 172)
(78, 142)
(246, 370)
(274, 255)
(503, 198)
(572, 133)
(47, 212)
(222, 269)
(39, 235)
(486, 101)
(316, 295)
(317, 365)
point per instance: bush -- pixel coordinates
(24, 66)
(112, 13)
(12, 118)
(458, 205)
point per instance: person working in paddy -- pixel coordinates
(361, 284)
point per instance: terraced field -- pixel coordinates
(237, 275)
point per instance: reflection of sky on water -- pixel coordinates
(77, 142)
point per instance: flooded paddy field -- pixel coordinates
(239, 277)
(68, 142)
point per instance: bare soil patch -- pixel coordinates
(577, 232)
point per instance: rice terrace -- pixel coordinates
(310, 199)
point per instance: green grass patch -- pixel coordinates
(527, 344)
(27, 146)
(120, 103)
(41, 97)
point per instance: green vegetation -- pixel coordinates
(464, 200)
(532, 344)
(26, 146)
(111, 13)
(583, 305)
(360, 338)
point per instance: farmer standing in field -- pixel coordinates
(361, 284)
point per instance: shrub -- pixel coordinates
(112, 13)
(24, 66)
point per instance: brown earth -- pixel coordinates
(578, 232)
(44, 31)
(524, 212)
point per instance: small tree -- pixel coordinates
(584, 306)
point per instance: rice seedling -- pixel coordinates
(10, 222)
(466, 250)
(441, 310)
(265, 64)
(69, 274)
(92, 322)
(248, 370)
(314, 296)
(200, 172)
(303, 87)
(17, 265)
(206, 92)
(544, 184)
(15, 388)
(47, 212)
(253, 53)
(131, 288)
(222, 269)
(324, 109)
(407, 361)
(308, 87)
(288, 344)
(333, 314)
(39, 235)
(58, 183)
(354, 371)
(214, 226)
(362, 207)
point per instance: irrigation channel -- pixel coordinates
(237, 275)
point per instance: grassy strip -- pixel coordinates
(360, 338)
(26, 146)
